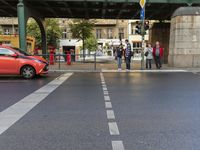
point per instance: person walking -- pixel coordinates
(128, 54)
(158, 54)
(119, 53)
(149, 56)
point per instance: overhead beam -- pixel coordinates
(49, 8)
(105, 3)
(86, 10)
(121, 11)
(8, 4)
(68, 9)
(133, 1)
(157, 11)
(5, 13)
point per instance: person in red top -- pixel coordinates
(158, 54)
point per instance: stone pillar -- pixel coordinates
(160, 32)
(41, 24)
(185, 38)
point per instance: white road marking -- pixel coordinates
(110, 114)
(117, 145)
(103, 85)
(107, 98)
(113, 128)
(12, 114)
(105, 92)
(105, 89)
(108, 105)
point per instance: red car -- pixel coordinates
(14, 61)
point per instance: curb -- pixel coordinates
(123, 71)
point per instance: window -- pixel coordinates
(5, 52)
(64, 34)
(6, 31)
(121, 33)
(16, 31)
(109, 33)
(98, 33)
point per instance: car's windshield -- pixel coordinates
(21, 51)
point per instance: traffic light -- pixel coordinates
(138, 27)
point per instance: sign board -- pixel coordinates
(142, 3)
(142, 14)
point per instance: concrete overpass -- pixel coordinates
(105, 9)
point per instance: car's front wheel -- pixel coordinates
(28, 72)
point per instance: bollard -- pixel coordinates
(51, 57)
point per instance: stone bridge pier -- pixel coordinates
(184, 45)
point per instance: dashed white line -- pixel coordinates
(117, 145)
(103, 85)
(105, 92)
(105, 89)
(108, 105)
(110, 114)
(12, 114)
(113, 128)
(107, 98)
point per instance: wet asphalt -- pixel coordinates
(154, 111)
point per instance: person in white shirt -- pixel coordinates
(149, 56)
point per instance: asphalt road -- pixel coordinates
(111, 111)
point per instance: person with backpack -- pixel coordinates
(149, 56)
(158, 54)
(128, 54)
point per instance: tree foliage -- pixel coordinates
(81, 28)
(91, 43)
(53, 31)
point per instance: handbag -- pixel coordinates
(146, 53)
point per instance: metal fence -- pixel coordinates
(89, 62)
(78, 61)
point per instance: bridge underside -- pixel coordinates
(89, 9)
(108, 9)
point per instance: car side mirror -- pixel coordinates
(14, 55)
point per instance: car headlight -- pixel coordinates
(38, 61)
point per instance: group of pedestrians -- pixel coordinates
(155, 53)
(150, 52)
(127, 53)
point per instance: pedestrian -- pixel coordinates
(119, 53)
(149, 56)
(128, 54)
(158, 54)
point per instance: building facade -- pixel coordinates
(105, 31)
(8, 26)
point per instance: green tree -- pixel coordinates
(81, 29)
(91, 44)
(53, 31)
(33, 30)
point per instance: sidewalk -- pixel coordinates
(112, 67)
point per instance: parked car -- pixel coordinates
(13, 61)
